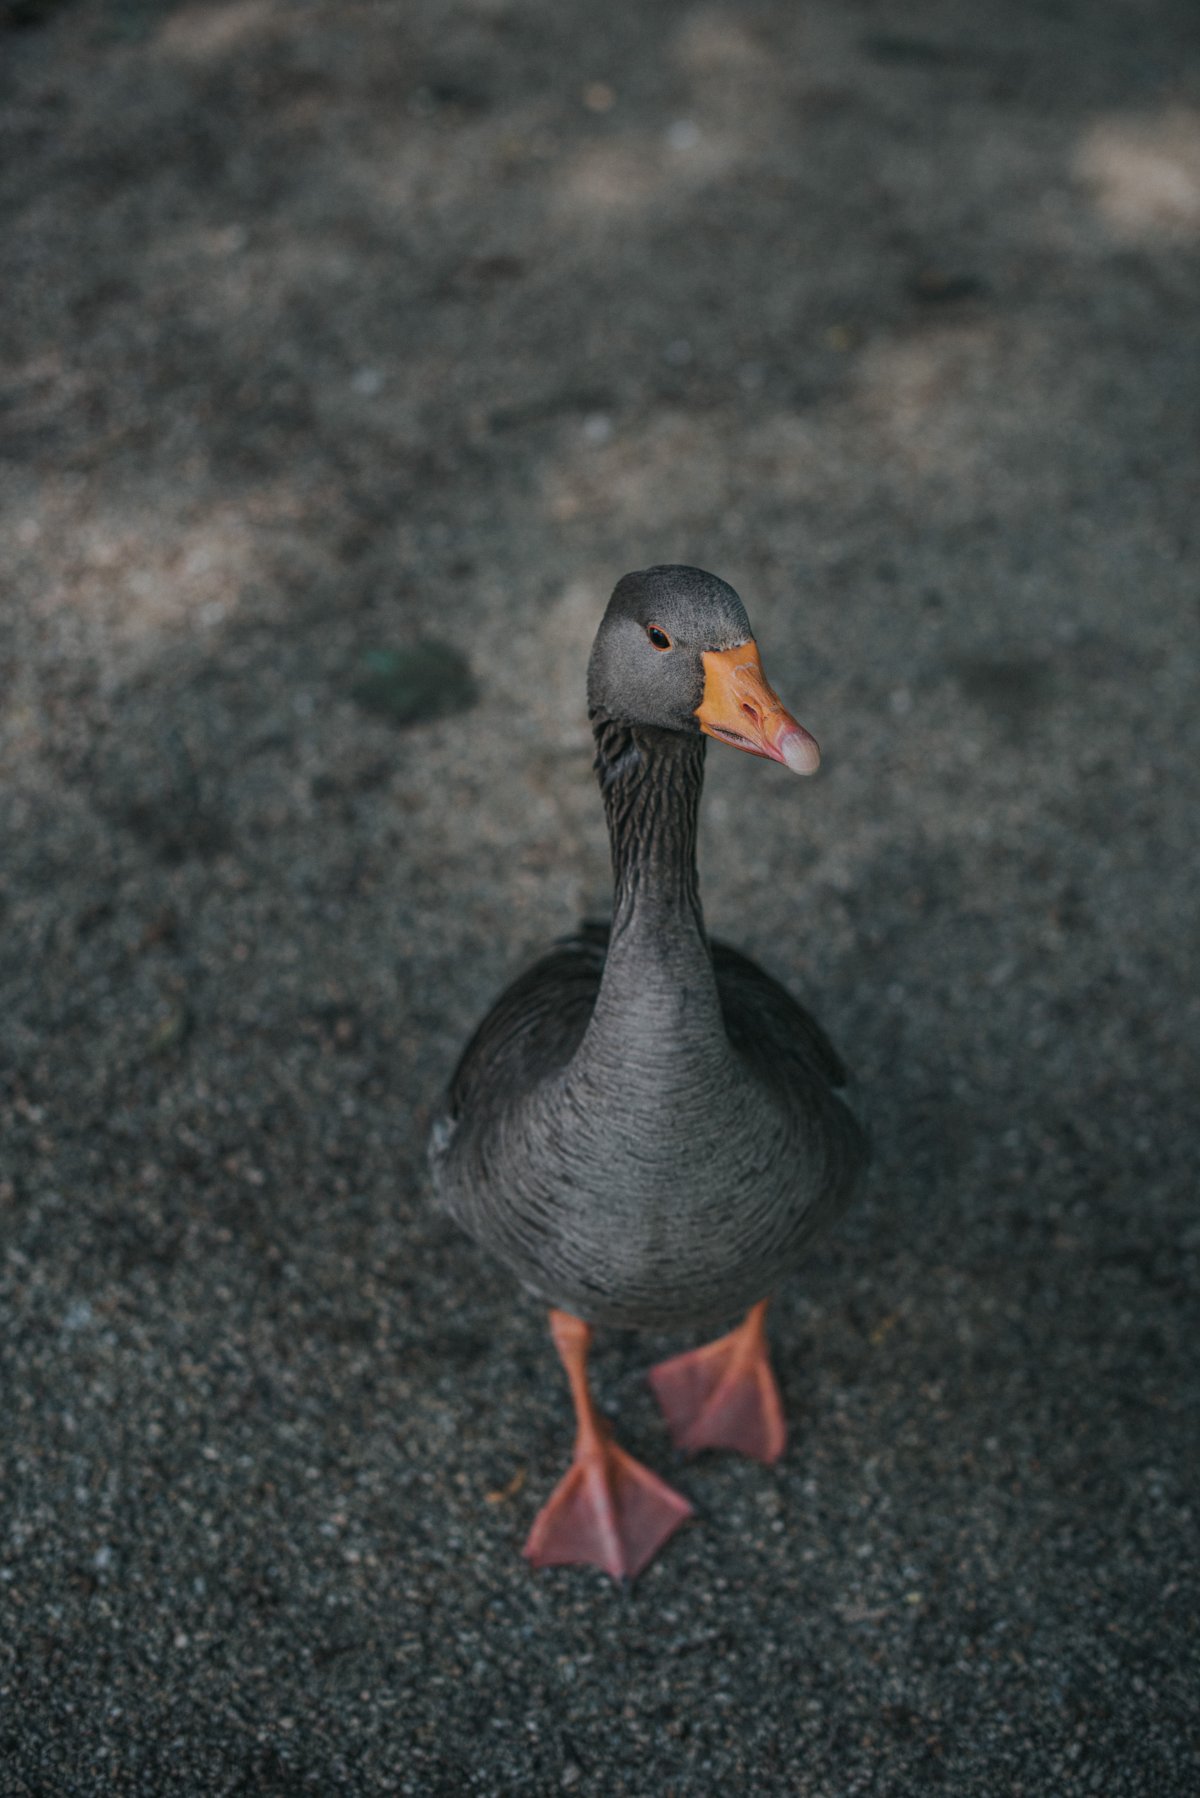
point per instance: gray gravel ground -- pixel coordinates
(330, 327)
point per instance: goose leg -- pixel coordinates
(724, 1395)
(608, 1510)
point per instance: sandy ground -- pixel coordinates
(330, 329)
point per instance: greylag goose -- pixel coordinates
(646, 1128)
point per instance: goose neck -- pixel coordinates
(651, 781)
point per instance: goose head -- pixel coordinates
(675, 652)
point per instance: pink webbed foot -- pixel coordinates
(724, 1395)
(608, 1510)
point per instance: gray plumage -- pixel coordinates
(646, 1128)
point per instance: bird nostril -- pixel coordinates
(751, 712)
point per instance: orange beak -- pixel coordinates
(739, 707)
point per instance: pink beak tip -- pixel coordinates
(800, 752)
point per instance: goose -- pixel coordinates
(646, 1128)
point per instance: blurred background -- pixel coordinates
(350, 353)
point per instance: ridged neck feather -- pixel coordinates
(651, 781)
(656, 1037)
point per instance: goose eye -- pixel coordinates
(659, 638)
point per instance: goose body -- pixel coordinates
(667, 1187)
(646, 1128)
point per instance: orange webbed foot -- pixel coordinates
(724, 1395)
(608, 1510)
